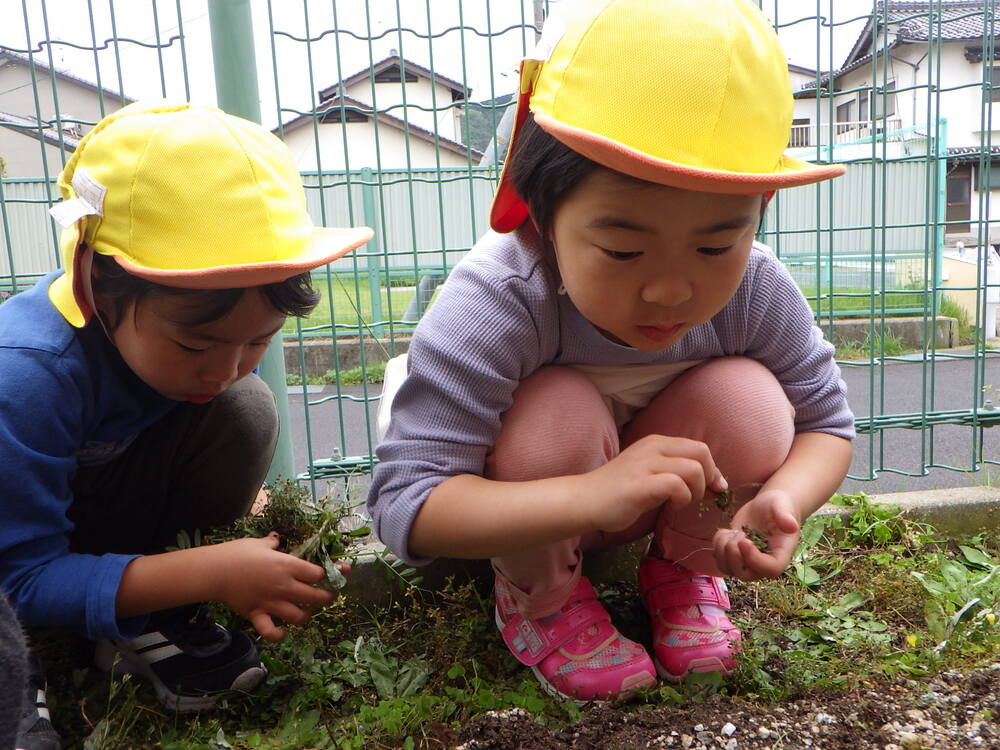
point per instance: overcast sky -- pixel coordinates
(134, 62)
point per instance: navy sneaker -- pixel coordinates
(35, 730)
(189, 658)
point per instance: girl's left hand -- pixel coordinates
(771, 512)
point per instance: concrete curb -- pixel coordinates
(954, 512)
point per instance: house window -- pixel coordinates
(959, 200)
(864, 113)
(885, 103)
(391, 75)
(800, 132)
(845, 114)
(995, 85)
(337, 114)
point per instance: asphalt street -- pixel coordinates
(882, 461)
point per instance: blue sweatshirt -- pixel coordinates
(66, 399)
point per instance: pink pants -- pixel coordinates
(558, 425)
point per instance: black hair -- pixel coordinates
(544, 171)
(113, 284)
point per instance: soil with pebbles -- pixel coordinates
(952, 711)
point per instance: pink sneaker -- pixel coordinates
(576, 653)
(691, 632)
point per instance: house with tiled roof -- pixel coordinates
(915, 79)
(393, 114)
(38, 134)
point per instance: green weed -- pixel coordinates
(876, 344)
(867, 596)
(373, 372)
(951, 309)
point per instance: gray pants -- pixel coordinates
(199, 466)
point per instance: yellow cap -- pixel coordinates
(186, 196)
(693, 94)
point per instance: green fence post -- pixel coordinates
(374, 262)
(236, 90)
(941, 214)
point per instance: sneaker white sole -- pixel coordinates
(112, 659)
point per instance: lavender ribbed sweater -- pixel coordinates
(499, 318)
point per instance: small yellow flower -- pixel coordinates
(991, 618)
(911, 640)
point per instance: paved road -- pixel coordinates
(896, 388)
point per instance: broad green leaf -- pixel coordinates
(847, 603)
(977, 557)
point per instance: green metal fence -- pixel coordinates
(395, 113)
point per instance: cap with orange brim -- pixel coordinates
(693, 94)
(186, 196)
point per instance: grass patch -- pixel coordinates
(857, 302)
(885, 344)
(344, 304)
(873, 596)
(373, 372)
(951, 309)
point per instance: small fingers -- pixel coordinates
(264, 625)
(310, 595)
(289, 612)
(760, 564)
(735, 558)
(305, 571)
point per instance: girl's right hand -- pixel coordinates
(259, 582)
(650, 472)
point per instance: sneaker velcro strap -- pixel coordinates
(532, 640)
(683, 593)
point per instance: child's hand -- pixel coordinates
(650, 472)
(771, 512)
(260, 583)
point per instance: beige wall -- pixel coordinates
(960, 273)
(76, 101)
(391, 153)
(418, 94)
(23, 158)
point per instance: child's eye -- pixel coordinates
(260, 343)
(714, 250)
(188, 348)
(617, 255)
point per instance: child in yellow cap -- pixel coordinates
(620, 358)
(129, 410)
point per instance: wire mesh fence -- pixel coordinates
(395, 113)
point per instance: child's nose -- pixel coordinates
(667, 289)
(221, 368)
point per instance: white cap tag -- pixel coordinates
(69, 212)
(89, 189)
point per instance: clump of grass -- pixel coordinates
(373, 372)
(876, 344)
(951, 309)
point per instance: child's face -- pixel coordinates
(646, 263)
(194, 363)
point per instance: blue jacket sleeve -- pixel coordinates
(42, 408)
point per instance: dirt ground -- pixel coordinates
(954, 711)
